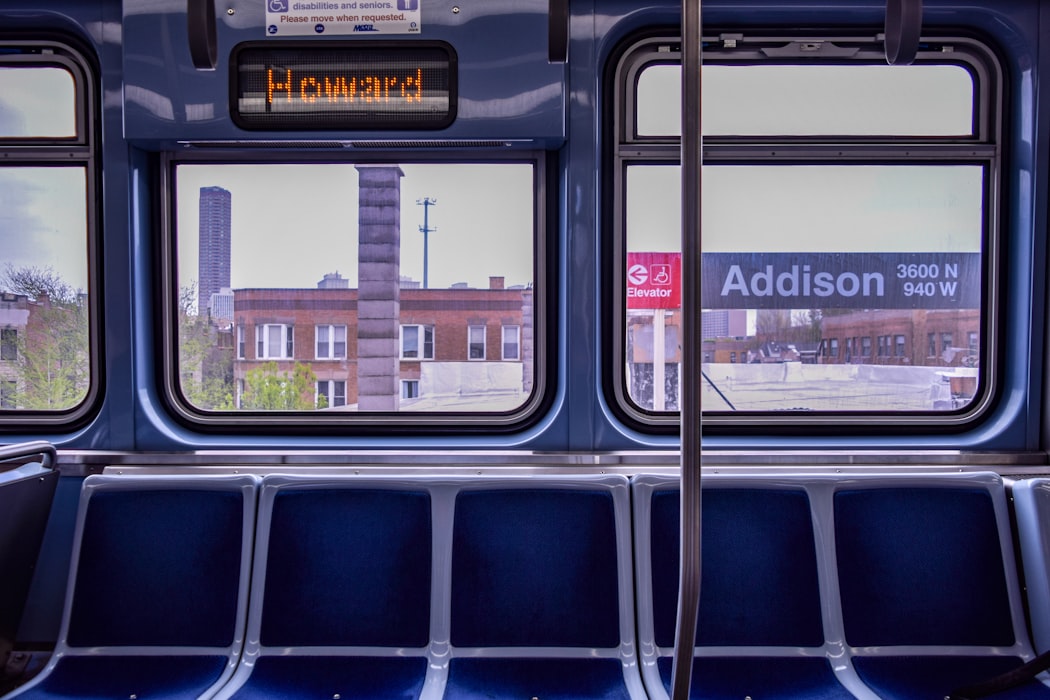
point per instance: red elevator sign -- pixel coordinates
(654, 280)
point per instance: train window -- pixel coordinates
(813, 100)
(848, 231)
(348, 290)
(48, 341)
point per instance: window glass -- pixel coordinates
(812, 100)
(368, 264)
(37, 102)
(797, 255)
(44, 292)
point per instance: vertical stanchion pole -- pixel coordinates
(692, 355)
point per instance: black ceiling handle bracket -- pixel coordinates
(903, 28)
(558, 31)
(200, 25)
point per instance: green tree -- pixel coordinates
(266, 388)
(205, 366)
(52, 367)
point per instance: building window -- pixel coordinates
(274, 341)
(898, 346)
(476, 342)
(331, 393)
(732, 358)
(511, 342)
(410, 388)
(865, 346)
(417, 342)
(931, 344)
(7, 394)
(946, 342)
(240, 342)
(331, 342)
(883, 343)
(8, 344)
(834, 347)
(971, 342)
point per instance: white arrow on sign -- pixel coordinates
(637, 274)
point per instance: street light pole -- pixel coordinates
(427, 202)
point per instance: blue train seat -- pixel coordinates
(762, 621)
(157, 597)
(540, 590)
(1032, 508)
(341, 591)
(27, 489)
(928, 588)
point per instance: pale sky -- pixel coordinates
(292, 224)
(803, 208)
(43, 211)
(43, 219)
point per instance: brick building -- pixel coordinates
(458, 340)
(935, 337)
(14, 318)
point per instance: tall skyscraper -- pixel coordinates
(213, 266)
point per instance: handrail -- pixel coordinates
(692, 153)
(17, 451)
(200, 26)
(903, 28)
(558, 31)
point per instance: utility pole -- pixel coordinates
(425, 229)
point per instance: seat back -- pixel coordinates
(761, 589)
(926, 562)
(1032, 506)
(27, 489)
(341, 589)
(540, 588)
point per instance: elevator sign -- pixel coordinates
(654, 280)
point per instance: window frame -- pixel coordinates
(625, 148)
(516, 343)
(421, 339)
(332, 342)
(82, 150)
(472, 343)
(539, 393)
(263, 341)
(330, 392)
(8, 344)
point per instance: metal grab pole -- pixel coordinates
(689, 573)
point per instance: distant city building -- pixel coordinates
(221, 306)
(333, 280)
(213, 266)
(723, 323)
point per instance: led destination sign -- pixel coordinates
(342, 87)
